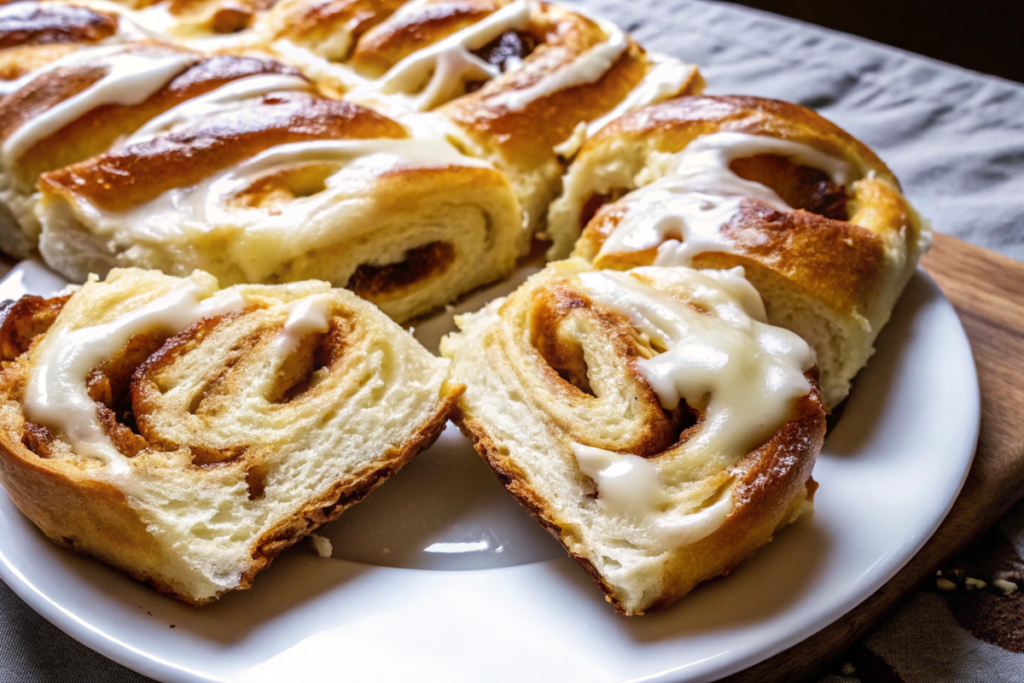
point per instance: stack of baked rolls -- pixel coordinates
(657, 400)
(187, 434)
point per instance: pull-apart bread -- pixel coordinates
(129, 152)
(282, 186)
(509, 80)
(187, 435)
(815, 218)
(650, 419)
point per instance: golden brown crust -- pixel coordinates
(135, 174)
(672, 124)
(526, 137)
(315, 22)
(28, 23)
(97, 130)
(384, 46)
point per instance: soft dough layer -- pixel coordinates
(187, 435)
(650, 420)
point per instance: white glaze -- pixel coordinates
(745, 374)
(233, 96)
(439, 72)
(57, 396)
(306, 316)
(131, 78)
(586, 68)
(629, 486)
(666, 79)
(681, 213)
(207, 207)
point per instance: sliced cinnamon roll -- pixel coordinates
(294, 187)
(815, 217)
(187, 435)
(79, 105)
(651, 419)
(512, 79)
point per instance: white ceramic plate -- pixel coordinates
(440, 576)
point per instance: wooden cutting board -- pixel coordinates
(987, 291)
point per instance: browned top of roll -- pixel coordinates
(322, 19)
(526, 137)
(672, 124)
(97, 130)
(383, 47)
(138, 173)
(28, 23)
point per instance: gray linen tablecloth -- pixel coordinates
(956, 141)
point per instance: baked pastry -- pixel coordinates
(188, 435)
(293, 187)
(511, 80)
(79, 105)
(815, 218)
(193, 22)
(651, 419)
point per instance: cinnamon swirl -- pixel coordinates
(816, 219)
(651, 420)
(188, 435)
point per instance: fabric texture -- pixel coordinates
(956, 141)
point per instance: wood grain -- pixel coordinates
(987, 291)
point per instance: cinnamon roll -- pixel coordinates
(815, 217)
(187, 435)
(510, 79)
(293, 187)
(79, 105)
(651, 419)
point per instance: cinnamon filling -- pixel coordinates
(594, 204)
(274, 191)
(430, 260)
(556, 336)
(110, 386)
(801, 187)
(314, 356)
(505, 52)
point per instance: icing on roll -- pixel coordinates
(744, 373)
(666, 79)
(438, 73)
(588, 67)
(130, 78)
(57, 395)
(629, 486)
(232, 97)
(207, 206)
(681, 212)
(306, 316)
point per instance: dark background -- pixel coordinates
(984, 35)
